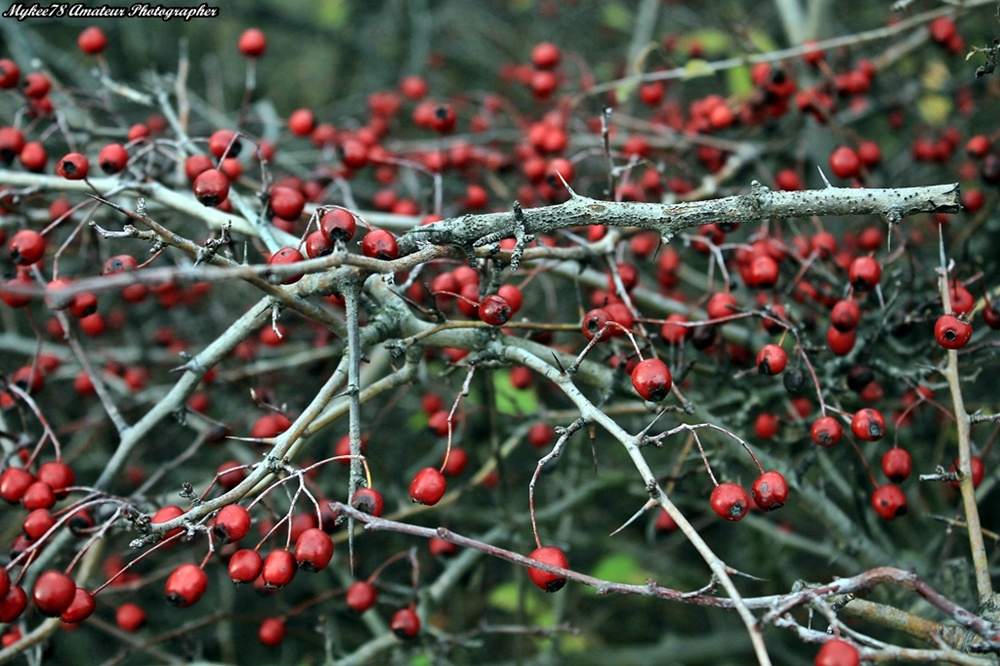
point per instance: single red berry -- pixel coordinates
(771, 359)
(550, 582)
(224, 142)
(413, 87)
(456, 463)
(428, 486)
(301, 122)
(864, 273)
(73, 166)
(405, 623)
(845, 163)
(494, 310)
(252, 43)
(540, 435)
(186, 585)
(37, 523)
(112, 158)
(845, 316)
(443, 118)
(512, 294)
(841, 342)
(53, 592)
(26, 247)
(545, 55)
(232, 523)
(837, 652)
(868, 424)
(368, 500)
(58, 475)
(338, 225)
(897, 464)
(361, 596)
(729, 501)
(952, 332)
(889, 501)
(271, 631)
(441, 548)
(166, 514)
(80, 608)
(651, 379)
(313, 550)
(762, 272)
(942, 29)
(245, 566)
(130, 617)
(976, 467)
(594, 321)
(33, 156)
(869, 153)
(13, 483)
(380, 244)
(769, 490)
(721, 304)
(10, 73)
(286, 202)
(39, 495)
(766, 425)
(673, 332)
(11, 144)
(211, 187)
(4, 584)
(92, 40)
(83, 305)
(279, 569)
(283, 257)
(13, 604)
(36, 85)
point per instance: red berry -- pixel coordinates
(9, 73)
(37, 523)
(762, 272)
(286, 202)
(594, 322)
(513, 296)
(232, 523)
(889, 501)
(441, 548)
(550, 582)
(38, 495)
(14, 482)
(845, 316)
(245, 566)
(13, 604)
(380, 244)
(729, 501)
(766, 425)
(130, 617)
(338, 225)
(457, 461)
(771, 359)
(252, 43)
(368, 500)
(721, 304)
(26, 247)
(540, 435)
(770, 490)
(4, 584)
(897, 464)
(80, 608)
(952, 332)
(186, 585)
(301, 122)
(428, 486)
(845, 163)
(283, 257)
(36, 85)
(495, 310)
(361, 596)
(864, 273)
(279, 569)
(651, 379)
(73, 166)
(405, 623)
(443, 118)
(313, 550)
(673, 332)
(841, 342)
(545, 55)
(869, 153)
(112, 158)
(977, 469)
(868, 424)
(53, 592)
(413, 87)
(33, 156)
(211, 187)
(92, 40)
(271, 631)
(837, 652)
(942, 29)
(978, 145)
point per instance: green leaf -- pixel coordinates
(620, 568)
(739, 80)
(695, 68)
(616, 16)
(332, 13)
(512, 400)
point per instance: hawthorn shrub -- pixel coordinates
(673, 342)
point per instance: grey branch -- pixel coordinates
(760, 203)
